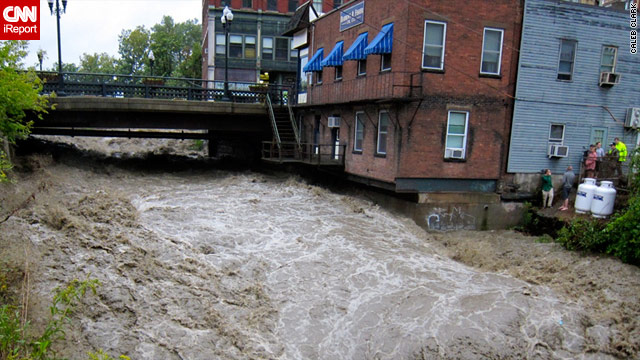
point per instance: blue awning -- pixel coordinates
(356, 51)
(383, 42)
(314, 63)
(335, 56)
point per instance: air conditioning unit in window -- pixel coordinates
(334, 121)
(454, 154)
(608, 79)
(556, 150)
(633, 118)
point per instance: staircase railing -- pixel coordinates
(294, 126)
(272, 116)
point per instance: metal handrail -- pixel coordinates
(294, 126)
(272, 116)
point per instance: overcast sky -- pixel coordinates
(93, 26)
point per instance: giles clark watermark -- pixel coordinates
(633, 34)
(20, 20)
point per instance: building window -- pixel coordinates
(556, 133)
(318, 77)
(247, 3)
(338, 73)
(383, 131)
(434, 41)
(385, 62)
(235, 46)
(362, 67)
(220, 44)
(317, 5)
(609, 57)
(293, 5)
(267, 48)
(491, 51)
(249, 47)
(456, 143)
(282, 49)
(337, 3)
(272, 5)
(358, 132)
(567, 58)
(294, 51)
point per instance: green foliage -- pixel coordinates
(101, 355)
(623, 233)
(19, 92)
(197, 145)
(15, 340)
(583, 235)
(5, 165)
(98, 63)
(134, 51)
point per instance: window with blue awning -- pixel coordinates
(314, 63)
(383, 42)
(356, 51)
(335, 56)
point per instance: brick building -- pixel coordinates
(256, 44)
(422, 91)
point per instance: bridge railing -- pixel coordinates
(153, 87)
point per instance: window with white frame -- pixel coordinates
(358, 132)
(318, 77)
(338, 73)
(362, 67)
(567, 59)
(556, 133)
(317, 5)
(608, 60)
(385, 62)
(457, 128)
(220, 44)
(434, 41)
(491, 51)
(249, 47)
(235, 46)
(383, 131)
(267, 48)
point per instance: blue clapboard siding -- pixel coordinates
(543, 100)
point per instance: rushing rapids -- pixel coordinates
(241, 265)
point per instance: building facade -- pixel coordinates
(577, 81)
(256, 43)
(419, 93)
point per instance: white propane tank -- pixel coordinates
(584, 196)
(603, 199)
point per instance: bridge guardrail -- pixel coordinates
(127, 86)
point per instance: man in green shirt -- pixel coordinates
(622, 155)
(547, 189)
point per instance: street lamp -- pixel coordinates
(151, 60)
(58, 10)
(226, 18)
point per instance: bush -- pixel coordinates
(623, 233)
(583, 235)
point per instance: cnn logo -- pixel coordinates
(20, 20)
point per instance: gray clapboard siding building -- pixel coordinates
(576, 80)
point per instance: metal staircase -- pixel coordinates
(285, 133)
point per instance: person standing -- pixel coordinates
(547, 189)
(613, 160)
(622, 155)
(599, 161)
(567, 183)
(590, 162)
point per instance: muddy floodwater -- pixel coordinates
(244, 265)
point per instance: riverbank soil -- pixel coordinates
(211, 264)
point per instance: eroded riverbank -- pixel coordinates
(241, 265)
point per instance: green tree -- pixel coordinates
(134, 51)
(19, 94)
(97, 63)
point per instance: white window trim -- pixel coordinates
(355, 132)
(556, 141)
(361, 71)
(424, 45)
(382, 63)
(379, 132)
(464, 137)
(573, 61)
(319, 81)
(484, 36)
(336, 77)
(615, 57)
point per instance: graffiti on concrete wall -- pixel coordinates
(450, 219)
